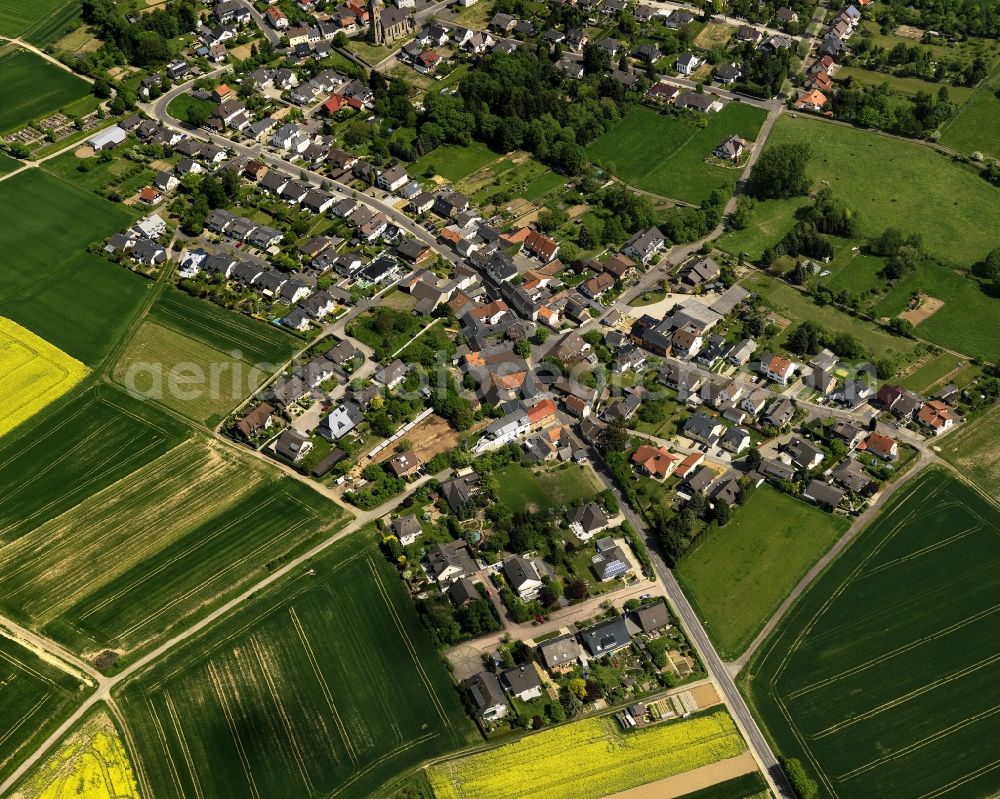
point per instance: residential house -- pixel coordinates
(610, 562)
(260, 418)
(804, 454)
(735, 440)
(522, 682)
(605, 637)
(688, 63)
(703, 428)
(407, 529)
(486, 695)
(341, 421)
(643, 245)
(525, 576)
(823, 494)
(779, 413)
(559, 655)
(776, 368)
(883, 446)
(655, 462)
(938, 416)
(587, 520)
(651, 617)
(731, 149)
(293, 445)
(451, 561)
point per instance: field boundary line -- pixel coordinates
(24, 718)
(924, 550)
(409, 644)
(324, 687)
(397, 751)
(219, 688)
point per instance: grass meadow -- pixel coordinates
(217, 357)
(588, 759)
(743, 571)
(76, 301)
(797, 306)
(520, 487)
(966, 322)
(974, 449)
(33, 373)
(680, 145)
(975, 127)
(326, 685)
(883, 673)
(131, 528)
(453, 162)
(51, 87)
(887, 182)
(35, 697)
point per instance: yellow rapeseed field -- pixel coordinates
(588, 759)
(91, 764)
(33, 373)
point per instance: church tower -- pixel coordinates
(375, 22)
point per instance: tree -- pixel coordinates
(721, 512)
(197, 114)
(806, 339)
(780, 172)
(901, 327)
(802, 784)
(523, 348)
(754, 458)
(101, 89)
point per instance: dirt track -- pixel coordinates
(689, 781)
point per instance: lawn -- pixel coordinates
(51, 87)
(35, 697)
(324, 685)
(975, 127)
(199, 360)
(884, 672)
(588, 759)
(520, 487)
(966, 322)
(679, 146)
(127, 530)
(742, 572)
(792, 303)
(178, 107)
(78, 302)
(888, 182)
(453, 162)
(16, 16)
(33, 373)
(974, 449)
(91, 756)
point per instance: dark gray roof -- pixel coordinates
(607, 636)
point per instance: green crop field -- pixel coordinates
(51, 87)
(520, 487)
(887, 182)
(126, 529)
(198, 359)
(882, 678)
(53, 25)
(326, 685)
(749, 786)
(35, 696)
(792, 303)
(16, 16)
(8, 164)
(78, 302)
(740, 575)
(666, 154)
